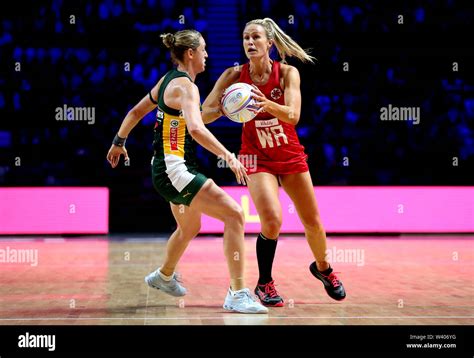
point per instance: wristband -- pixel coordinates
(118, 141)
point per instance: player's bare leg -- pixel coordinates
(215, 202)
(263, 188)
(165, 278)
(299, 188)
(189, 224)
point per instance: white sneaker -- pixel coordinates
(171, 287)
(243, 301)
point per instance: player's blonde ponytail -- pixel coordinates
(286, 46)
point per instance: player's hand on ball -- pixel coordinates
(113, 156)
(239, 170)
(262, 101)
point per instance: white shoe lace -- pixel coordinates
(245, 294)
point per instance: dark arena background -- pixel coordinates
(387, 121)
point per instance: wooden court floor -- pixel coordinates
(406, 280)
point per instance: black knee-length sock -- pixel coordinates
(265, 253)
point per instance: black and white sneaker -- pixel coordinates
(332, 284)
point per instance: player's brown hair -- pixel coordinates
(181, 41)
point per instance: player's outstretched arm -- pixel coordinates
(132, 118)
(189, 99)
(211, 108)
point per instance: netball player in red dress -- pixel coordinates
(272, 138)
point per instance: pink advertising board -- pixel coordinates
(54, 210)
(370, 209)
(57, 210)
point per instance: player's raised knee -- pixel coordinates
(235, 214)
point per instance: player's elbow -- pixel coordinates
(207, 118)
(293, 117)
(196, 131)
(134, 114)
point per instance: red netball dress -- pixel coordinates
(274, 143)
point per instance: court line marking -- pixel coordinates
(147, 293)
(146, 304)
(260, 316)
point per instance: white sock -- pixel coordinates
(164, 277)
(233, 292)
